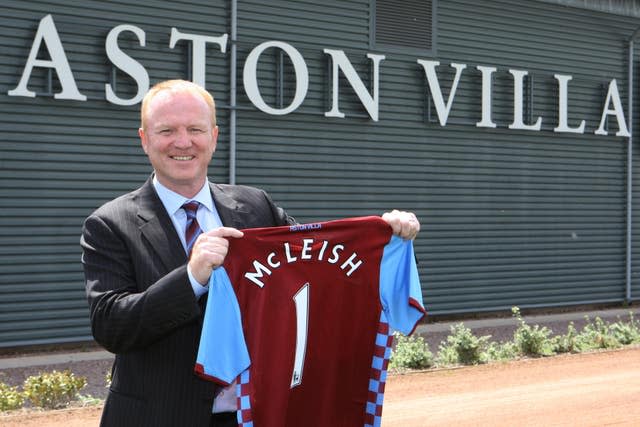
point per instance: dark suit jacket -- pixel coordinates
(143, 308)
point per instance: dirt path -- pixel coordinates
(595, 389)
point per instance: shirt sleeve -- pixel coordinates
(223, 353)
(400, 291)
(198, 289)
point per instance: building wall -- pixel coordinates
(509, 216)
(61, 159)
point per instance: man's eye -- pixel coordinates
(196, 130)
(165, 132)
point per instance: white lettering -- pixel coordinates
(613, 96)
(434, 87)
(518, 99)
(350, 263)
(258, 274)
(250, 77)
(336, 254)
(126, 64)
(487, 78)
(563, 116)
(48, 33)
(271, 262)
(341, 62)
(322, 249)
(47, 39)
(304, 252)
(287, 251)
(306, 249)
(198, 51)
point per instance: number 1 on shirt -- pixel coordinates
(301, 300)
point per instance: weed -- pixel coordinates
(10, 398)
(410, 353)
(531, 340)
(464, 347)
(626, 333)
(53, 390)
(567, 343)
(500, 352)
(597, 335)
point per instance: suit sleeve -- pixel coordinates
(400, 291)
(279, 215)
(127, 315)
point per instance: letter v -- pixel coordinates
(436, 92)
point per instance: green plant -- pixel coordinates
(410, 353)
(626, 332)
(88, 400)
(501, 351)
(597, 335)
(10, 398)
(54, 389)
(446, 355)
(464, 347)
(567, 343)
(531, 341)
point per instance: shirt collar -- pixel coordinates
(173, 201)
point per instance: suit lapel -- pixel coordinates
(227, 207)
(157, 228)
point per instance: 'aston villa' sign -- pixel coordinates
(47, 34)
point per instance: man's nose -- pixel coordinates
(182, 138)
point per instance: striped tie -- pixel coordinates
(193, 229)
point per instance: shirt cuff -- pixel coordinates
(198, 289)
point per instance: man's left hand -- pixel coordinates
(404, 224)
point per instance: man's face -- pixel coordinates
(179, 138)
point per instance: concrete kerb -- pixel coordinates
(54, 359)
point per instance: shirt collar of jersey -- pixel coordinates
(173, 201)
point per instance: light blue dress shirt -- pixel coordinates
(207, 215)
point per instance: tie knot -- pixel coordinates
(191, 208)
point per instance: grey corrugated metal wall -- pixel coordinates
(509, 217)
(635, 232)
(530, 218)
(61, 159)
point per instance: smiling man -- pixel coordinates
(148, 256)
(179, 134)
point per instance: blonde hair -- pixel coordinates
(177, 86)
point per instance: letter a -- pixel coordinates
(613, 96)
(47, 32)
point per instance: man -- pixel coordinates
(147, 282)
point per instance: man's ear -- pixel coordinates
(214, 134)
(143, 139)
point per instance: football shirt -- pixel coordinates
(302, 317)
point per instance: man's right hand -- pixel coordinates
(209, 252)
